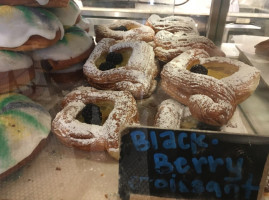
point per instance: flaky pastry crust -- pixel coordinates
(171, 114)
(135, 31)
(172, 24)
(209, 99)
(169, 45)
(92, 137)
(137, 75)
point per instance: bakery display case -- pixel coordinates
(75, 74)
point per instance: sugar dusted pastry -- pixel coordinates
(74, 48)
(16, 70)
(92, 119)
(36, 3)
(210, 86)
(172, 24)
(128, 65)
(26, 28)
(124, 30)
(169, 45)
(24, 128)
(174, 115)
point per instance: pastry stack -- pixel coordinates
(35, 31)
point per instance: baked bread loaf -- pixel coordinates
(169, 45)
(16, 70)
(24, 127)
(26, 28)
(172, 24)
(174, 115)
(124, 30)
(262, 48)
(92, 119)
(36, 3)
(128, 65)
(75, 47)
(210, 86)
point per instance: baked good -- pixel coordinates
(70, 75)
(36, 3)
(27, 28)
(69, 15)
(75, 47)
(16, 70)
(169, 45)
(124, 30)
(210, 86)
(128, 65)
(24, 127)
(92, 119)
(262, 48)
(174, 115)
(172, 24)
(84, 24)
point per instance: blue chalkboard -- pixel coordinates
(188, 164)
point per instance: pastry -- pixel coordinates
(26, 28)
(24, 127)
(169, 45)
(172, 24)
(72, 74)
(92, 119)
(16, 70)
(36, 3)
(69, 15)
(210, 86)
(75, 47)
(128, 65)
(174, 115)
(262, 48)
(124, 30)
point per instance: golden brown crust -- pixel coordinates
(35, 42)
(169, 45)
(71, 77)
(136, 31)
(262, 48)
(172, 24)
(92, 137)
(211, 100)
(137, 74)
(15, 79)
(34, 3)
(26, 160)
(55, 65)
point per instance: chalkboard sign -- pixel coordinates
(191, 165)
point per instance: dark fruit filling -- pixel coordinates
(120, 28)
(204, 126)
(92, 114)
(115, 58)
(199, 69)
(106, 66)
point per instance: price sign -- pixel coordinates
(191, 165)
